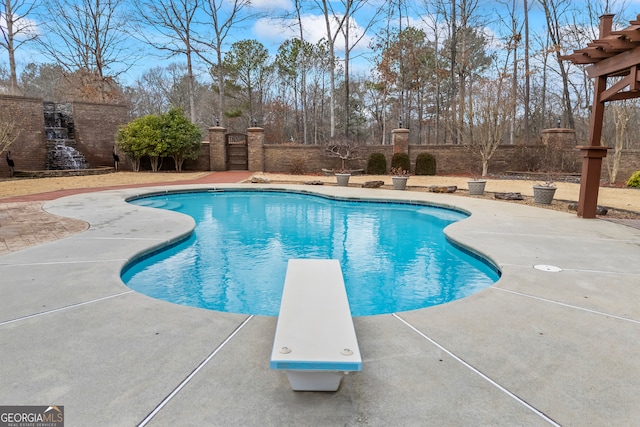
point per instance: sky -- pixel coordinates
(276, 28)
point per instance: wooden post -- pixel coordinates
(592, 155)
(590, 180)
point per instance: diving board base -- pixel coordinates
(314, 381)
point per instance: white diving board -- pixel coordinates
(315, 341)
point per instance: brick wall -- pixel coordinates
(29, 150)
(96, 126)
(450, 159)
(288, 158)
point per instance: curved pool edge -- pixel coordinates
(151, 200)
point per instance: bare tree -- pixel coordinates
(485, 124)
(621, 116)
(303, 57)
(223, 15)
(333, 25)
(174, 21)
(87, 37)
(514, 39)
(431, 19)
(351, 40)
(16, 30)
(527, 73)
(554, 11)
(342, 148)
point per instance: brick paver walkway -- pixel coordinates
(24, 224)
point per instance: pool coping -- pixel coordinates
(536, 348)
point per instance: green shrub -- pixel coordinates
(634, 181)
(377, 164)
(425, 164)
(165, 135)
(401, 160)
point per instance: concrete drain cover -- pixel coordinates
(549, 268)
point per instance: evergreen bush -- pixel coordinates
(634, 181)
(377, 164)
(165, 135)
(425, 164)
(401, 160)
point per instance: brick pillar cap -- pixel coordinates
(255, 129)
(559, 130)
(401, 130)
(217, 129)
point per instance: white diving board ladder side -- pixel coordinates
(315, 342)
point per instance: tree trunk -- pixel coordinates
(9, 37)
(527, 78)
(332, 71)
(303, 78)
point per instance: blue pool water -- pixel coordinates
(394, 257)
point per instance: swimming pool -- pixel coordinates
(394, 256)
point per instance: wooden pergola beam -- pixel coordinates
(615, 64)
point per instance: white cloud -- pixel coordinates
(276, 31)
(23, 27)
(271, 5)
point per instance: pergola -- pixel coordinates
(614, 54)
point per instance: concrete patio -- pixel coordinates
(537, 348)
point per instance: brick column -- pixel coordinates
(217, 149)
(255, 148)
(560, 138)
(400, 140)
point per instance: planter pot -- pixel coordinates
(476, 187)
(399, 182)
(343, 179)
(543, 195)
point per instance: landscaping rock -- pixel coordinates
(508, 196)
(600, 210)
(259, 180)
(443, 189)
(373, 184)
(314, 183)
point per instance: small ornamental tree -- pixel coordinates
(157, 136)
(181, 138)
(344, 149)
(139, 138)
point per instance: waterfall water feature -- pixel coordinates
(62, 152)
(60, 157)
